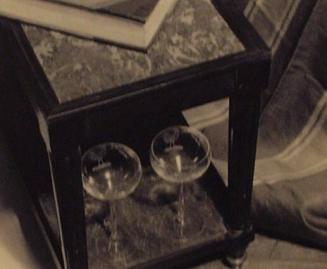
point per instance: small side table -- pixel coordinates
(69, 94)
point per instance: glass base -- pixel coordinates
(120, 251)
(189, 227)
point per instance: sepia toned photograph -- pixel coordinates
(163, 134)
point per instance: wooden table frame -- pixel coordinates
(52, 128)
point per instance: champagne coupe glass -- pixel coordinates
(180, 155)
(111, 172)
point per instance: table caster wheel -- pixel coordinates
(236, 262)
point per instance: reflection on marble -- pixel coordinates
(146, 218)
(192, 34)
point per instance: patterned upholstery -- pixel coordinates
(280, 24)
(271, 19)
(290, 193)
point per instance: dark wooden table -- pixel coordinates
(63, 94)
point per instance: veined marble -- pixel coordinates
(193, 33)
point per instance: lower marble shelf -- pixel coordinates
(147, 223)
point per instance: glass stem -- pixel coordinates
(181, 210)
(114, 230)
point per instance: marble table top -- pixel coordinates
(193, 33)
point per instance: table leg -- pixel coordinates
(243, 127)
(66, 176)
(235, 260)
